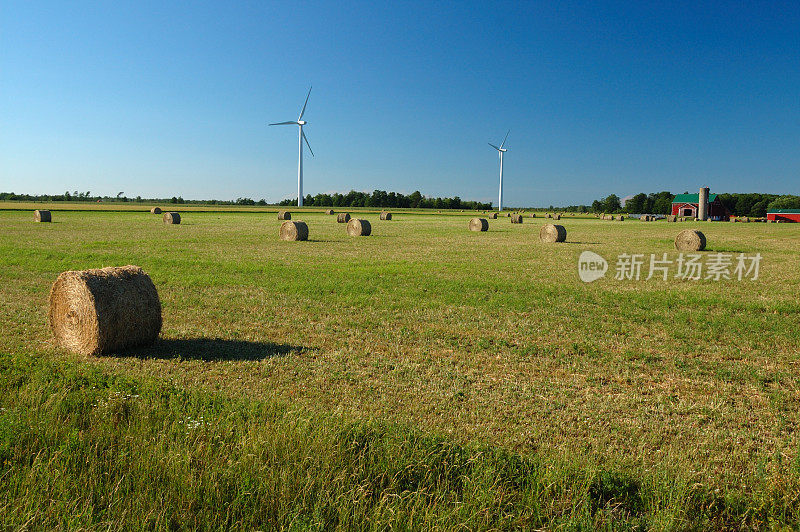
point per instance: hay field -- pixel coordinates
(685, 394)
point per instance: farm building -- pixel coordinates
(689, 205)
(784, 215)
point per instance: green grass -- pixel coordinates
(423, 377)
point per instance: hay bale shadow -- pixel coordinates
(210, 349)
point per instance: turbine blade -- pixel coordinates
(493, 146)
(506, 138)
(284, 123)
(303, 111)
(307, 144)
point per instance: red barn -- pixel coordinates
(784, 215)
(687, 205)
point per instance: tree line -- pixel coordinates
(383, 199)
(746, 204)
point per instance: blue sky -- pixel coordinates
(173, 98)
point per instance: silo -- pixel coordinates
(702, 205)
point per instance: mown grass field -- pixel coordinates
(423, 377)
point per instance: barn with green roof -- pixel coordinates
(688, 205)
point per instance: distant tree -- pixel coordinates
(784, 202)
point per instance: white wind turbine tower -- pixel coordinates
(501, 151)
(300, 138)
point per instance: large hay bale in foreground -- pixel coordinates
(172, 218)
(293, 231)
(356, 227)
(552, 233)
(479, 224)
(493, 216)
(100, 311)
(42, 216)
(329, 211)
(155, 210)
(284, 215)
(388, 216)
(343, 217)
(516, 218)
(690, 240)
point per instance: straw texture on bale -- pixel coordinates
(356, 227)
(388, 216)
(42, 216)
(105, 310)
(172, 218)
(493, 216)
(516, 218)
(329, 211)
(552, 233)
(690, 240)
(343, 217)
(292, 231)
(479, 224)
(284, 215)
(155, 210)
(557, 217)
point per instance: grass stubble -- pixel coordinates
(425, 377)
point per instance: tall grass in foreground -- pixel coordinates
(80, 448)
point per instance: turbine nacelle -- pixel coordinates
(301, 122)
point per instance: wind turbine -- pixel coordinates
(501, 151)
(300, 138)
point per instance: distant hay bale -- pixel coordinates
(356, 227)
(516, 218)
(155, 210)
(557, 217)
(672, 218)
(644, 218)
(293, 231)
(745, 219)
(171, 218)
(329, 211)
(284, 215)
(548, 215)
(508, 215)
(42, 216)
(104, 310)
(343, 217)
(388, 216)
(493, 215)
(621, 218)
(533, 215)
(479, 224)
(552, 233)
(690, 240)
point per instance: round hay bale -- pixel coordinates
(329, 211)
(284, 215)
(42, 216)
(644, 218)
(172, 218)
(745, 219)
(533, 215)
(552, 233)
(343, 217)
(621, 218)
(388, 216)
(479, 224)
(104, 310)
(508, 215)
(155, 210)
(690, 240)
(356, 227)
(548, 215)
(293, 231)
(672, 218)
(557, 217)
(516, 218)
(493, 216)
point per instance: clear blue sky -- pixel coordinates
(173, 98)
